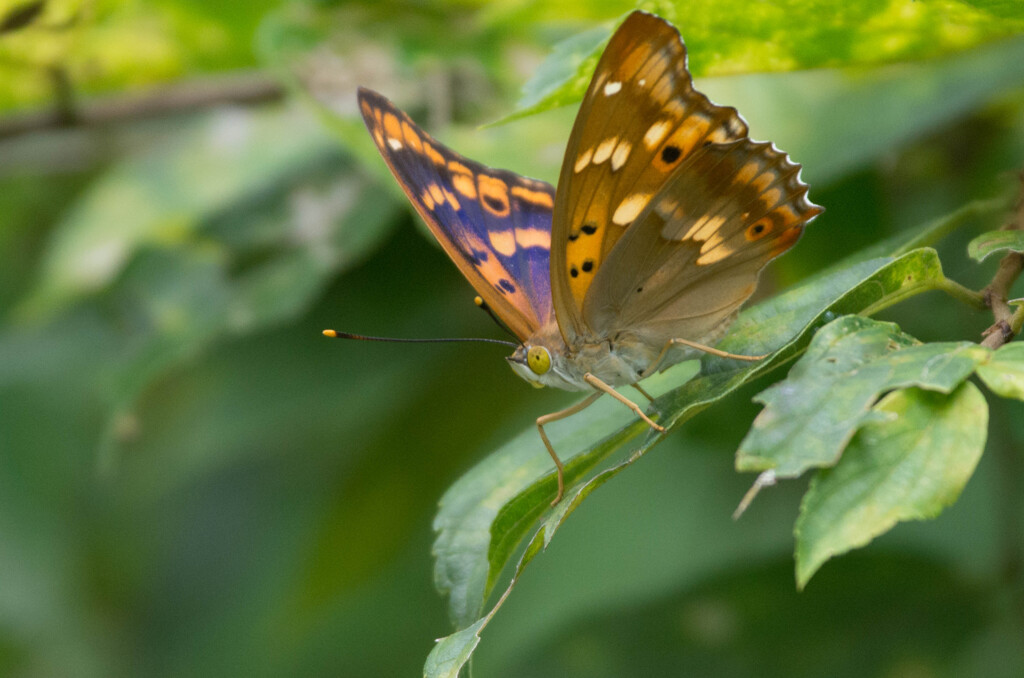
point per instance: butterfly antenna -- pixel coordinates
(334, 334)
(483, 305)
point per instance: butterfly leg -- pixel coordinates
(605, 388)
(643, 392)
(555, 416)
(700, 347)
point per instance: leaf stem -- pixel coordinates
(961, 293)
(944, 284)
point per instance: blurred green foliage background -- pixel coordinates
(194, 482)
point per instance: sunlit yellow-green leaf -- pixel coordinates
(731, 37)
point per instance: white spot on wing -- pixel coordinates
(604, 150)
(705, 229)
(630, 208)
(621, 154)
(395, 144)
(612, 88)
(655, 133)
(583, 160)
(713, 250)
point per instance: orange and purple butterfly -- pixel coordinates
(665, 215)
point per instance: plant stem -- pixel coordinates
(996, 293)
(244, 88)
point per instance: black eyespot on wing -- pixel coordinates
(495, 204)
(589, 229)
(506, 285)
(573, 271)
(588, 266)
(670, 154)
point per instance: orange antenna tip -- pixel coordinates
(331, 333)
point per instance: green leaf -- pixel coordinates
(451, 653)
(995, 241)
(907, 464)
(164, 197)
(728, 38)
(494, 506)
(784, 106)
(486, 513)
(563, 77)
(810, 417)
(1004, 373)
(111, 45)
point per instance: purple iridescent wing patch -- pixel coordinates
(494, 224)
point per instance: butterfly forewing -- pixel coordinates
(694, 254)
(494, 224)
(639, 122)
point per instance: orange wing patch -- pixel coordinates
(493, 195)
(541, 198)
(432, 153)
(465, 185)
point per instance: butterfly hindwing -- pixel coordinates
(640, 120)
(694, 254)
(494, 224)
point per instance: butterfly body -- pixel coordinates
(619, 360)
(615, 364)
(665, 215)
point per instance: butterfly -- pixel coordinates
(665, 215)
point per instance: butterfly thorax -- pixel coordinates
(623, 359)
(616, 361)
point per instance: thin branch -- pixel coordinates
(996, 293)
(246, 88)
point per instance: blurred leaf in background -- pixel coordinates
(194, 482)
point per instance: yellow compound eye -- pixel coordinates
(538, 359)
